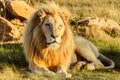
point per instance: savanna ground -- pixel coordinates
(13, 65)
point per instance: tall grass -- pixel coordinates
(93, 8)
(88, 8)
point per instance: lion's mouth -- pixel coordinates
(53, 45)
(52, 42)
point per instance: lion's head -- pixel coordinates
(53, 29)
(48, 32)
(51, 21)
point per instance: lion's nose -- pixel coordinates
(54, 36)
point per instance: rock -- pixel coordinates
(19, 25)
(99, 28)
(101, 23)
(8, 31)
(19, 9)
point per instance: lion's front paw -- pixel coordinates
(61, 71)
(63, 74)
(43, 71)
(49, 74)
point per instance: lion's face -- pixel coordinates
(53, 28)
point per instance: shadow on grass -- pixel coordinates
(114, 55)
(111, 49)
(12, 55)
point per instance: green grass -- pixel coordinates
(12, 54)
(110, 48)
(13, 65)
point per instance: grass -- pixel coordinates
(110, 48)
(14, 66)
(87, 8)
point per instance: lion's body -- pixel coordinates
(88, 52)
(49, 42)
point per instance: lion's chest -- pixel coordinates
(55, 58)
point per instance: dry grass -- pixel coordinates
(93, 8)
(88, 8)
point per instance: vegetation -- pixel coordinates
(13, 65)
(81, 9)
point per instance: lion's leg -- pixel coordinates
(61, 71)
(83, 48)
(89, 52)
(93, 62)
(86, 52)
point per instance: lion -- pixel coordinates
(50, 46)
(48, 40)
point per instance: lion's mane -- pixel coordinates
(34, 43)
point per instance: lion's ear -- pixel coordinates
(41, 13)
(65, 16)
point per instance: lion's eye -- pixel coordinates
(60, 26)
(48, 26)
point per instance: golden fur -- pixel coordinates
(42, 57)
(36, 52)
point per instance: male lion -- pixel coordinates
(49, 43)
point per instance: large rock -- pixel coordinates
(19, 9)
(8, 31)
(98, 28)
(101, 23)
